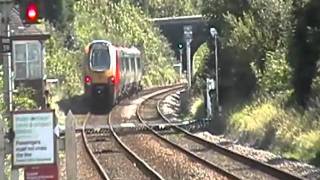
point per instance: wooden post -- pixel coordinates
(70, 145)
(15, 174)
(2, 150)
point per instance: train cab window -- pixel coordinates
(133, 68)
(100, 57)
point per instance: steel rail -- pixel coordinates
(273, 171)
(185, 151)
(151, 172)
(96, 162)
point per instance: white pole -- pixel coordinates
(10, 79)
(209, 112)
(217, 70)
(189, 64)
(180, 51)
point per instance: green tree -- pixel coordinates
(261, 36)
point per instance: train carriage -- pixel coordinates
(111, 72)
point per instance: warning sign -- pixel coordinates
(34, 140)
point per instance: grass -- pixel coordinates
(266, 122)
(197, 108)
(296, 133)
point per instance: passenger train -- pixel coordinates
(111, 72)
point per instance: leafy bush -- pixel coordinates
(199, 57)
(261, 36)
(198, 109)
(277, 74)
(63, 64)
(170, 8)
(23, 100)
(306, 145)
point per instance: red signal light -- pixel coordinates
(87, 79)
(32, 13)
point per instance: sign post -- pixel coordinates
(210, 94)
(188, 38)
(71, 155)
(5, 33)
(214, 35)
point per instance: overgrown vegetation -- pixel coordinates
(199, 59)
(275, 47)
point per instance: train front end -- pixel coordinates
(100, 77)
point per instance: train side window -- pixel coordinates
(133, 68)
(123, 64)
(138, 63)
(128, 64)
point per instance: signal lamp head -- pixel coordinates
(180, 46)
(32, 13)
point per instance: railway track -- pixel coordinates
(216, 161)
(111, 157)
(104, 145)
(147, 114)
(167, 165)
(237, 165)
(93, 157)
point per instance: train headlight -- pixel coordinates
(113, 79)
(87, 79)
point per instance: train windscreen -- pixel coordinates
(100, 57)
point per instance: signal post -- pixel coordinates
(29, 14)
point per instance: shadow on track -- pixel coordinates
(80, 105)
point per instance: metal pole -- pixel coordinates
(217, 70)
(180, 51)
(9, 71)
(6, 7)
(189, 64)
(7, 59)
